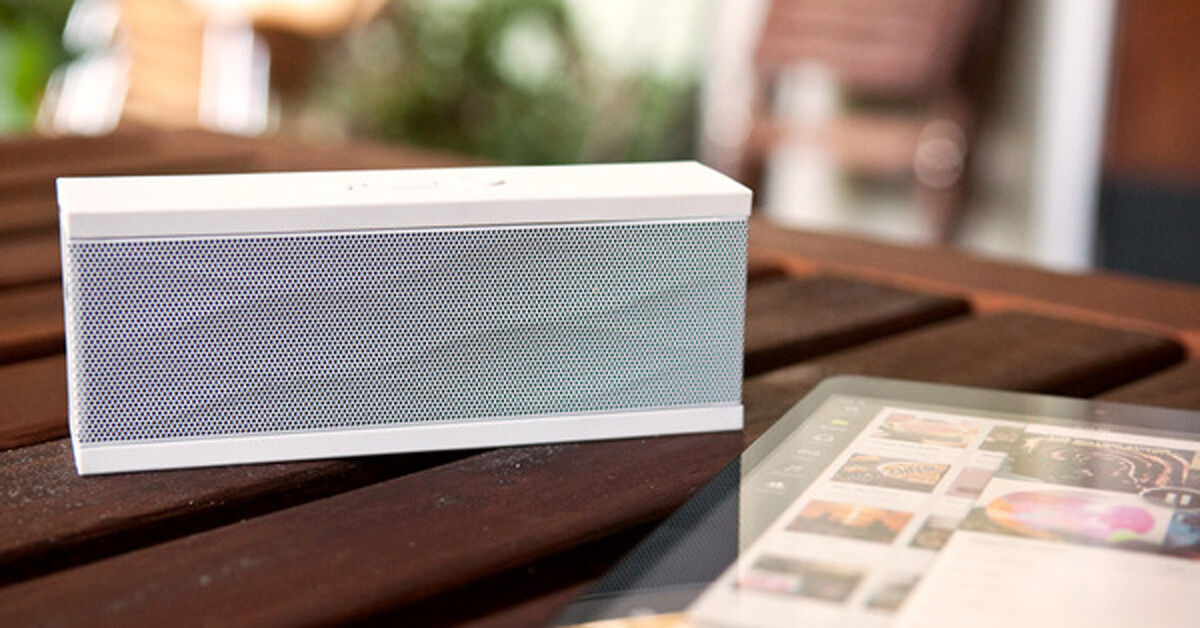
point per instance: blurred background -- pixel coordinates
(1052, 132)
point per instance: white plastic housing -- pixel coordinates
(217, 319)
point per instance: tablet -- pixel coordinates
(879, 502)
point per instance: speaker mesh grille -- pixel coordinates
(190, 337)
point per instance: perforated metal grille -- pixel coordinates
(181, 338)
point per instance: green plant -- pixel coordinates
(30, 48)
(504, 79)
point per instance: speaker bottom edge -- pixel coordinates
(492, 432)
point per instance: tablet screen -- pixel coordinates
(885, 503)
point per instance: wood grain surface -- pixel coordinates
(120, 509)
(33, 323)
(1011, 351)
(17, 152)
(1021, 359)
(500, 537)
(33, 401)
(1106, 299)
(385, 544)
(60, 519)
(29, 260)
(789, 319)
(1177, 387)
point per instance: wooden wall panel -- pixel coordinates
(1154, 107)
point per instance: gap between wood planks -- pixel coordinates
(1100, 298)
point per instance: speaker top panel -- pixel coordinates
(298, 202)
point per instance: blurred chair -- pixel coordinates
(899, 105)
(86, 95)
(188, 63)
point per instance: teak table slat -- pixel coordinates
(479, 483)
(1010, 350)
(502, 537)
(791, 319)
(100, 512)
(33, 322)
(1176, 387)
(33, 401)
(29, 260)
(1103, 298)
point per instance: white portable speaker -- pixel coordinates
(217, 319)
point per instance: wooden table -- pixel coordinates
(501, 537)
